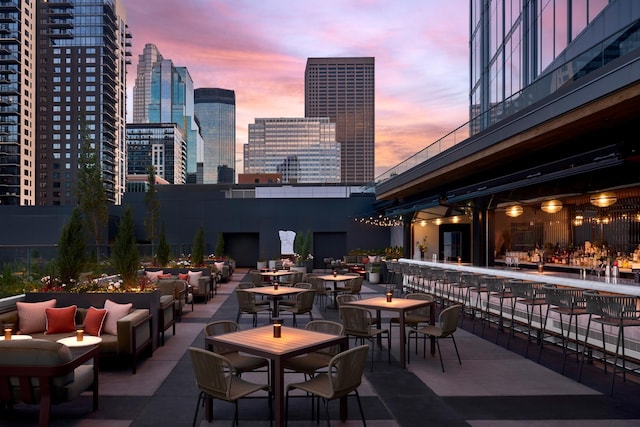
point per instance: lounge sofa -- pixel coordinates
(204, 287)
(44, 372)
(133, 334)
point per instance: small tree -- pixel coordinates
(197, 251)
(124, 254)
(92, 198)
(220, 245)
(164, 250)
(71, 247)
(153, 208)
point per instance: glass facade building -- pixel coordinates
(514, 43)
(343, 89)
(216, 112)
(303, 150)
(83, 52)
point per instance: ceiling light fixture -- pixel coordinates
(551, 206)
(603, 200)
(514, 211)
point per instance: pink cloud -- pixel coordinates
(259, 49)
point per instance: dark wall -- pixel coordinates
(249, 226)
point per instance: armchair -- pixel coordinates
(57, 376)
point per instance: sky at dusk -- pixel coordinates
(259, 49)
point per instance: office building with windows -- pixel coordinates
(215, 109)
(303, 150)
(343, 89)
(83, 49)
(17, 103)
(160, 145)
(142, 86)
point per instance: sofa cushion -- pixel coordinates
(219, 266)
(194, 277)
(115, 312)
(154, 275)
(31, 315)
(183, 276)
(94, 321)
(36, 352)
(60, 320)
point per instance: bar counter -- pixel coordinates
(615, 285)
(623, 286)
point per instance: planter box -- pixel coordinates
(302, 269)
(261, 264)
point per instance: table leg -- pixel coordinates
(343, 400)
(432, 321)
(403, 334)
(277, 372)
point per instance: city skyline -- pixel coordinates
(259, 50)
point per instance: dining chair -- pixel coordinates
(343, 376)
(303, 305)
(241, 363)
(357, 322)
(310, 363)
(414, 318)
(246, 285)
(292, 301)
(322, 292)
(247, 305)
(215, 379)
(344, 298)
(445, 328)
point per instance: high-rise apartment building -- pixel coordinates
(160, 145)
(513, 47)
(164, 94)
(82, 57)
(216, 112)
(303, 150)
(343, 89)
(17, 103)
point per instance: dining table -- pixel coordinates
(275, 293)
(291, 342)
(335, 278)
(400, 306)
(275, 276)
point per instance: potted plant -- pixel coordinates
(374, 273)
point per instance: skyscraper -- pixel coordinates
(82, 56)
(303, 150)
(343, 89)
(164, 94)
(17, 103)
(216, 112)
(142, 87)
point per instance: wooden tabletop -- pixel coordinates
(270, 291)
(397, 304)
(337, 278)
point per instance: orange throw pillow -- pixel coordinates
(60, 320)
(94, 320)
(184, 276)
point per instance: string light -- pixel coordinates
(380, 221)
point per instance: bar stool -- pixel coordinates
(496, 287)
(476, 285)
(531, 294)
(452, 281)
(565, 302)
(438, 280)
(425, 275)
(619, 311)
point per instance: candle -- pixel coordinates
(275, 286)
(277, 330)
(335, 273)
(540, 268)
(389, 296)
(80, 334)
(7, 333)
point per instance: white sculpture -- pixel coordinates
(287, 237)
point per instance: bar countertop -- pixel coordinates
(614, 285)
